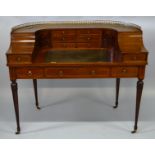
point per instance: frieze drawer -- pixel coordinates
(124, 71)
(29, 73)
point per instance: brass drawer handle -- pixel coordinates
(88, 45)
(64, 45)
(61, 73)
(29, 73)
(18, 59)
(93, 72)
(88, 38)
(134, 58)
(124, 70)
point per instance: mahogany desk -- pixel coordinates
(79, 49)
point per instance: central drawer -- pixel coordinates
(76, 72)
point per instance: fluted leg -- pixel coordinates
(36, 93)
(117, 92)
(138, 100)
(14, 88)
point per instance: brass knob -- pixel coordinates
(64, 45)
(88, 38)
(134, 58)
(18, 59)
(124, 70)
(88, 31)
(63, 38)
(63, 32)
(29, 73)
(93, 72)
(61, 73)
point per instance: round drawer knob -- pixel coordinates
(134, 58)
(93, 72)
(63, 32)
(124, 70)
(29, 73)
(64, 45)
(88, 38)
(18, 59)
(61, 73)
(63, 38)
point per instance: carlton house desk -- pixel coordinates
(76, 49)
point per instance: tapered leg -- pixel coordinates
(14, 88)
(138, 100)
(117, 92)
(36, 92)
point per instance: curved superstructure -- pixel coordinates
(34, 26)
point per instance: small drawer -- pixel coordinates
(94, 71)
(124, 71)
(134, 57)
(89, 45)
(64, 38)
(88, 38)
(89, 31)
(29, 73)
(19, 58)
(63, 45)
(56, 33)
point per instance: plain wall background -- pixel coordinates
(80, 99)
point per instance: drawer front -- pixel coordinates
(59, 72)
(134, 57)
(19, 58)
(88, 38)
(124, 72)
(63, 45)
(56, 33)
(29, 73)
(64, 38)
(64, 72)
(94, 71)
(89, 31)
(89, 45)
